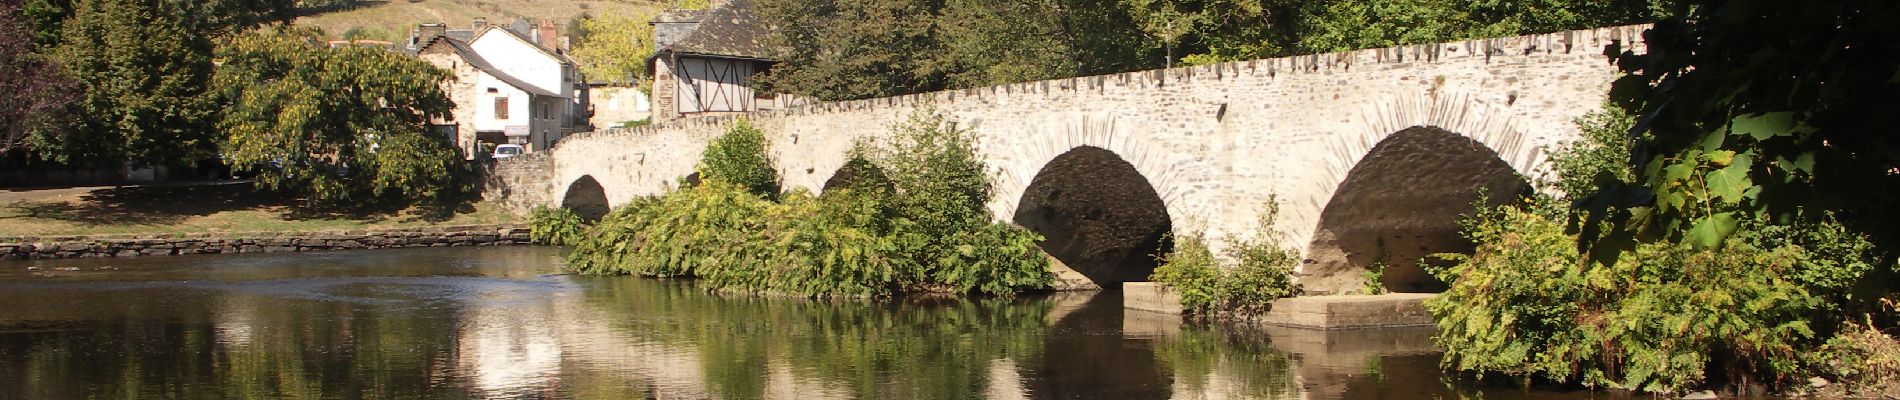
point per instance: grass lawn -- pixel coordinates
(222, 207)
(392, 20)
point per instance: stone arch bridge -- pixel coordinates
(1372, 155)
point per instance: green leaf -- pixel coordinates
(1729, 184)
(1709, 232)
(1764, 126)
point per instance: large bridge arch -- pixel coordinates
(1097, 215)
(1397, 184)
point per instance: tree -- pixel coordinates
(336, 125)
(1340, 25)
(144, 76)
(1764, 109)
(851, 49)
(1218, 30)
(989, 42)
(615, 47)
(34, 93)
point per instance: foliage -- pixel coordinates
(1528, 303)
(338, 125)
(1762, 109)
(1864, 360)
(615, 47)
(1357, 24)
(739, 157)
(145, 76)
(1219, 30)
(1600, 157)
(940, 180)
(918, 226)
(988, 42)
(557, 226)
(851, 49)
(35, 94)
(1263, 272)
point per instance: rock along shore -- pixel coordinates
(133, 245)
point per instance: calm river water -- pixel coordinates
(501, 323)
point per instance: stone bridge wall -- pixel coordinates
(1215, 141)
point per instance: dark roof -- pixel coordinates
(728, 31)
(464, 35)
(476, 60)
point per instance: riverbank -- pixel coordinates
(219, 207)
(122, 245)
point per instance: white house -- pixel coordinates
(508, 89)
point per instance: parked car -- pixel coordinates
(508, 150)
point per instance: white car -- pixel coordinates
(508, 150)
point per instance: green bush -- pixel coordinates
(941, 181)
(1601, 155)
(1664, 317)
(1263, 272)
(872, 238)
(739, 157)
(557, 226)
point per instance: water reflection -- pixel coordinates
(494, 323)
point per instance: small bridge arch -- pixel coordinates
(586, 198)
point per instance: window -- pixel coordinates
(501, 108)
(544, 111)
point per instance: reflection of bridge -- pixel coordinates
(1373, 154)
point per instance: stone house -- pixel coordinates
(704, 60)
(507, 88)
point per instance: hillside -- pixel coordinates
(392, 20)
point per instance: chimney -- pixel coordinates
(549, 35)
(426, 33)
(480, 22)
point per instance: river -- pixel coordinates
(501, 322)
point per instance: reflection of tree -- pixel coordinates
(895, 349)
(1218, 364)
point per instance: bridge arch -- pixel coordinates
(1030, 157)
(1397, 188)
(586, 198)
(1097, 215)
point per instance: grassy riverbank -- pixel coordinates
(197, 208)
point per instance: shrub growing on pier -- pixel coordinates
(739, 157)
(1263, 272)
(919, 226)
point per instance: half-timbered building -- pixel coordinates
(704, 62)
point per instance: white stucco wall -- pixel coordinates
(516, 57)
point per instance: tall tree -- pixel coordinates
(1339, 25)
(615, 47)
(848, 49)
(34, 92)
(338, 125)
(988, 42)
(1218, 30)
(145, 76)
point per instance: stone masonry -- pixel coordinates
(1215, 141)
